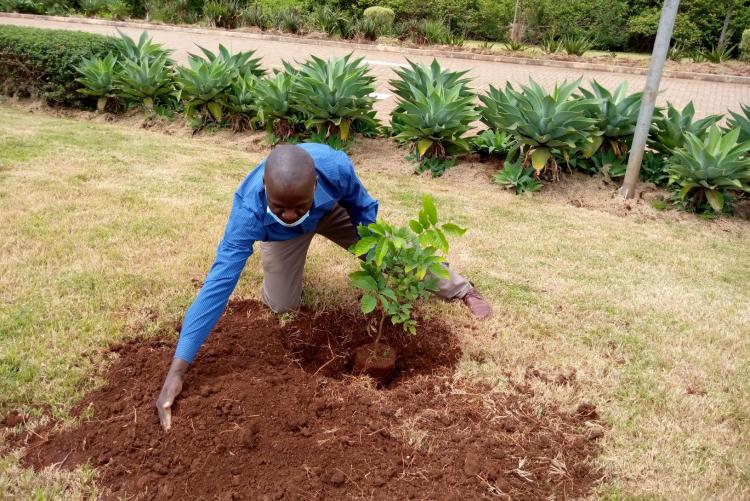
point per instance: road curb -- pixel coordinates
(629, 70)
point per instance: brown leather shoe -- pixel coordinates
(477, 304)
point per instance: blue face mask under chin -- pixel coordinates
(288, 225)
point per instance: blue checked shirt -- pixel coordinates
(249, 222)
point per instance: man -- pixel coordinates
(295, 193)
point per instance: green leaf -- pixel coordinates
(453, 230)
(429, 208)
(363, 280)
(381, 252)
(424, 220)
(423, 145)
(440, 271)
(364, 245)
(539, 158)
(415, 226)
(716, 199)
(368, 304)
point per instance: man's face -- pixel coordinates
(289, 204)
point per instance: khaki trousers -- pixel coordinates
(284, 263)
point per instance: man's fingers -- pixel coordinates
(165, 415)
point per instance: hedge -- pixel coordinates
(745, 46)
(41, 63)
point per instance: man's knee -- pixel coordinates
(280, 304)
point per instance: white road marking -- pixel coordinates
(384, 63)
(380, 96)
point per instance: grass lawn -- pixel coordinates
(104, 228)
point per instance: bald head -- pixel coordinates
(290, 182)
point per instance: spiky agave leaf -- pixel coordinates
(436, 118)
(334, 94)
(668, 131)
(708, 166)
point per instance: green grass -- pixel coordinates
(103, 227)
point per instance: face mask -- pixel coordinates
(288, 225)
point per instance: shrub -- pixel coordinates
(331, 21)
(239, 64)
(174, 11)
(434, 110)
(118, 9)
(401, 265)
(98, 78)
(718, 54)
(745, 46)
(668, 131)
(242, 103)
(38, 62)
(653, 169)
(223, 13)
(203, 87)
(616, 114)
(334, 94)
(543, 125)
(708, 168)
(577, 45)
(93, 7)
(145, 48)
(741, 121)
(145, 80)
(367, 29)
(287, 19)
(434, 165)
(383, 16)
(253, 15)
(642, 29)
(490, 143)
(274, 105)
(515, 176)
(434, 32)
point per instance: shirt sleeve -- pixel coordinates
(361, 207)
(231, 255)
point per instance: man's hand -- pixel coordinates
(172, 387)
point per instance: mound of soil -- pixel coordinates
(268, 412)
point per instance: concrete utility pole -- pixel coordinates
(655, 69)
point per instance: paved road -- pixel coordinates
(708, 97)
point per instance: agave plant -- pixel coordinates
(490, 143)
(435, 119)
(98, 78)
(741, 121)
(145, 48)
(203, 86)
(542, 125)
(668, 132)
(577, 45)
(707, 168)
(239, 64)
(242, 103)
(719, 54)
(274, 104)
(677, 53)
(145, 80)
(515, 176)
(609, 163)
(334, 94)
(616, 115)
(551, 44)
(653, 169)
(419, 76)
(367, 29)
(514, 45)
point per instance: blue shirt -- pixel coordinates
(249, 222)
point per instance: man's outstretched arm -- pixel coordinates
(231, 256)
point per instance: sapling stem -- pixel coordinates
(380, 328)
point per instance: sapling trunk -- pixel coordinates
(380, 328)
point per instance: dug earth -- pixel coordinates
(271, 411)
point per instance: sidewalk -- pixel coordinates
(708, 97)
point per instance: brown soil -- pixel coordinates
(261, 417)
(376, 360)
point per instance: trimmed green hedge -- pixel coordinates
(37, 62)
